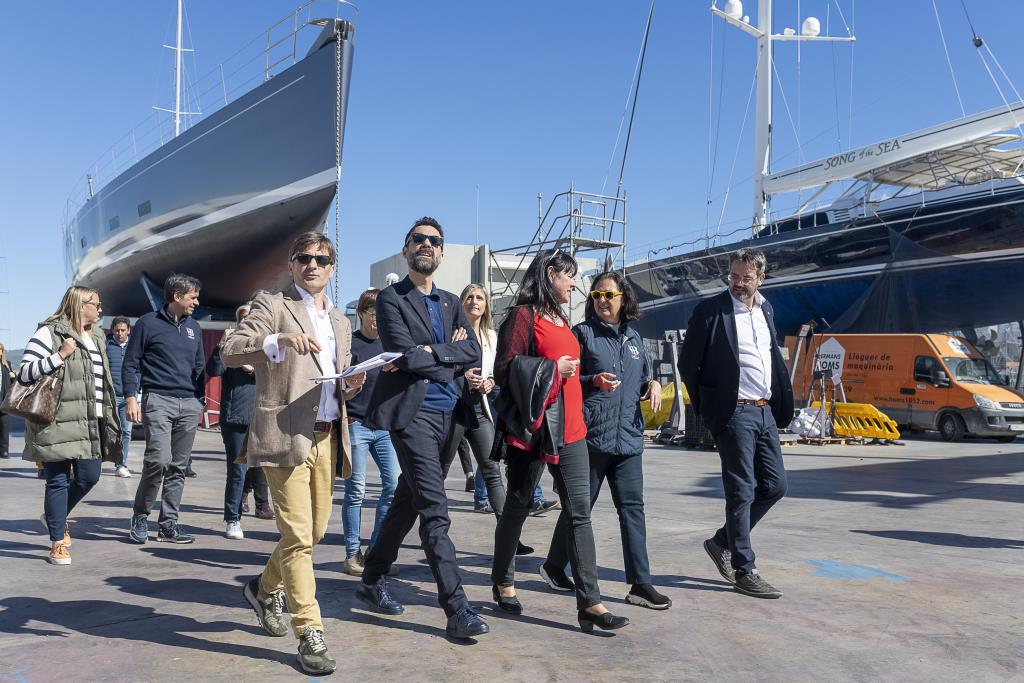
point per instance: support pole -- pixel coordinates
(1020, 364)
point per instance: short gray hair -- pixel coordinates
(753, 257)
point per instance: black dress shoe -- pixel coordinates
(466, 624)
(523, 549)
(507, 604)
(605, 622)
(378, 598)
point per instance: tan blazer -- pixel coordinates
(287, 400)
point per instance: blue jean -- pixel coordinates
(480, 497)
(126, 428)
(377, 444)
(63, 492)
(753, 476)
(625, 475)
(233, 436)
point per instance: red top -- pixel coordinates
(552, 342)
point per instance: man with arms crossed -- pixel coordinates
(737, 380)
(297, 434)
(415, 400)
(165, 355)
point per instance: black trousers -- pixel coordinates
(625, 475)
(572, 482)
(420, 493)
(753, 476)
(480, 439)
(5, 436)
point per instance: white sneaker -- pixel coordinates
(233, 530)
(123, 472)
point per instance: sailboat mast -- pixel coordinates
(763, 113)
(177, 77)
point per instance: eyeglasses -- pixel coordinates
(322, 260)
(745, 279)
(420, 238)
(608, 294)
(97, 304)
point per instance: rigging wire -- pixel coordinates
(713, 149)
(853, 52)
(949, 61)
(835, 78)
(622, 121)
(632, 114)
(735, 156)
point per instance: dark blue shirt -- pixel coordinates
(441, 396)
(363, 348)
(167, 354)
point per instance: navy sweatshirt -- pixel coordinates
(168, 355)
(363, 349)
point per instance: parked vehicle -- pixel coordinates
(922, 381)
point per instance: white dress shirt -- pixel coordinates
(330, 408)
(754, 343)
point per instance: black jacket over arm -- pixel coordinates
(403, 324)
(710, 366)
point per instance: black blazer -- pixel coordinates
(710, 365)
(403, 324)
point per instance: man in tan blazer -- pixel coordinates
(297, 434)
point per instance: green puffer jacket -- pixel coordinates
(74, 432)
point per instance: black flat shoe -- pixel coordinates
(506, 604)
(605, 622)
(523, 549)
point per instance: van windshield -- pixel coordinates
(973, 371)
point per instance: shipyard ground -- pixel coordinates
(898, 563)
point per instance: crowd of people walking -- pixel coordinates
(536, 394)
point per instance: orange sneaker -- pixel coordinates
(60, 553)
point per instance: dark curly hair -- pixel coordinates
(630, 307)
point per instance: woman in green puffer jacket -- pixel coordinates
(85, 430)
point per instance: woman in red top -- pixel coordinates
(536, 326)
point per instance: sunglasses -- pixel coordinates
(420, 238)
(304, 259)
(608, 294)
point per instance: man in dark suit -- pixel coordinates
(738, 383)
(415, 400)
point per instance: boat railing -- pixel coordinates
(267, 54)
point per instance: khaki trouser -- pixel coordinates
(302, 500)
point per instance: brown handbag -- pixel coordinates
(36, 402)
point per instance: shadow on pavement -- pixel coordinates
(944, 538)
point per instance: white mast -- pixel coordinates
(733, 14)
(178, 65)
(177, 77)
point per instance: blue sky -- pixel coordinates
(516, 98)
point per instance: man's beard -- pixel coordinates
(423, 264)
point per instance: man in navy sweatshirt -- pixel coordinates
(166, 350)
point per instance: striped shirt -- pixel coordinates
(40, 358)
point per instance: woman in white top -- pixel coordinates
(477, 424)
(85, 430)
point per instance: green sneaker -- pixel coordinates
(313, 655)
(269, 608)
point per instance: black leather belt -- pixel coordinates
(760, 403)
(323, 427)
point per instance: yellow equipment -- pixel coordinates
(668, 397)
(863, 420)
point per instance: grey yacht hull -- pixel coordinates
(223, 200)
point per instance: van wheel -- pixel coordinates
(951, 427)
